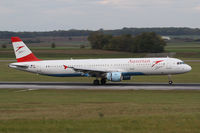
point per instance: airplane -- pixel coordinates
(113, 70)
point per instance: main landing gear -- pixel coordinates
(97, 82)
(103, 81)
(170, 80)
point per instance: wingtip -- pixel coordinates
(15, 39)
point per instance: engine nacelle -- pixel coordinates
(114, 76)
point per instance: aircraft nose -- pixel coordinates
(188, 68)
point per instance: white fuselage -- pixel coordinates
(127, 66)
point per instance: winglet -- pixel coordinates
(22, 52)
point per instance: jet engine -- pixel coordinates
(114, 76)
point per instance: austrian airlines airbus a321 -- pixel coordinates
(114, 70)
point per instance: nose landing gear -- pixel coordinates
(170, 80)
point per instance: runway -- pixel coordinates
(15, 60)
(89, 86)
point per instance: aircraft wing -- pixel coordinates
(91, 72)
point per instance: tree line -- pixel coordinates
(117, 32)
(148, 42)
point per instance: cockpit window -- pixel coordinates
(179, 63)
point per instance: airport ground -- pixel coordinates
(113, 111)
(83, 111)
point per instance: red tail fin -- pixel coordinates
(22, 52)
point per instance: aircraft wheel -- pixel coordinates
(103, 81)
(96, 82)
(170, 82)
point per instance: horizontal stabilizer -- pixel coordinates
(18, 66)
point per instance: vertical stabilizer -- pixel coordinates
(22, 52)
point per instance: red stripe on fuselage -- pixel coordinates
(30, 57)
(157, 62)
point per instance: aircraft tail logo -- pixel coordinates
(18, 48)
(22, 52)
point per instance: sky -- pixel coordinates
(48, 15)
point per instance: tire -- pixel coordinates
(103, 81)
(96, 82)
(170, 82)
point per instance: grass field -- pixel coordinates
(66, 49)
(9, 74)
(77, 53)
(56, 111)
(183, 44)
(47, 41)
(184, 49)
(67, 53)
